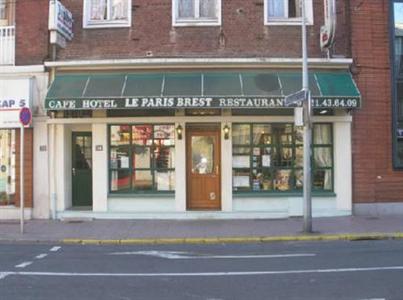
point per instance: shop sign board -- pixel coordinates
(296, 98)
(400, 133)
(14, 95)
(193, 102)
(60, 20)
(328, 30)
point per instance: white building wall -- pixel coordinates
(331, 205)
(99, 168)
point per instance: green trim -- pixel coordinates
(281, 194)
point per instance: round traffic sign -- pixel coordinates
(25, 116)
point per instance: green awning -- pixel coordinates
(172, 90)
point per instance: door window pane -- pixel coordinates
(262, 134)
(322, 157)
(322, 134)
(202, 154)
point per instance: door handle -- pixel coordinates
(217, 169)
(74, 171)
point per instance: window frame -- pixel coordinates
(176, 22)
(89, 24)
(288, 21)
(293, 168)
(394, 82)
(152, 169)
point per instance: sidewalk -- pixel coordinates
(201, 231)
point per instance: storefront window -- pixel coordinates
(269, 158)
(7, 167)
(142, 158)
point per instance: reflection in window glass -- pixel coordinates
(120, 180)
(241, 134)
(145, 155)
(142, 180)
(7, 167)
(398, 83)
(202, 154)
(270, 158)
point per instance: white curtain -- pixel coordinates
(323, 155)
(3, 14)
(208, 9)
(98, 10)
(276, 8)
(119, 9)
(186, 8)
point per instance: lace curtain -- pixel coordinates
(98, 10)
(323, 155)
(276, 8)
(207, 8)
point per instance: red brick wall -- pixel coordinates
(242, 33)
(374, 179)
(31, 31)
(28, 167)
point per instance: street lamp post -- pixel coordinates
(307, 189)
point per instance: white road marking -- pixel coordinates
(206, 274)
(24, 264)
(40, 256)
(3, 275)
(186, 255)
(54, 249)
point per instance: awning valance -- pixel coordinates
(172, 90)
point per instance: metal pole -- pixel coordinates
(307, 207)
(22, 179)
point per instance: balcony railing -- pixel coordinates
(7, 45)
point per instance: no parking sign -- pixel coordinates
(25, 116)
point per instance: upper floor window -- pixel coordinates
(107, 13)
(6, 13)
(286, 12)
(196, 12)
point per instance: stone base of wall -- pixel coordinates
(378, 209)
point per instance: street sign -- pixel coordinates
(296, 98)
(25, 116)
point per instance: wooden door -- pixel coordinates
(82, 169)
(203, 167)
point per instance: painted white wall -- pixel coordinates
(140, 204)
(61, 167)
(13, 213)
(291, 206)
(226, 169)
(343, 166)
(180, 170)
(41, 203)
(99, 168)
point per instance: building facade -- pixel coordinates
(377, 126)
(175, 109)
(21, 85)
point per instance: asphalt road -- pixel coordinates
(316, 270)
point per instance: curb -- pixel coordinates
(239, 240)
